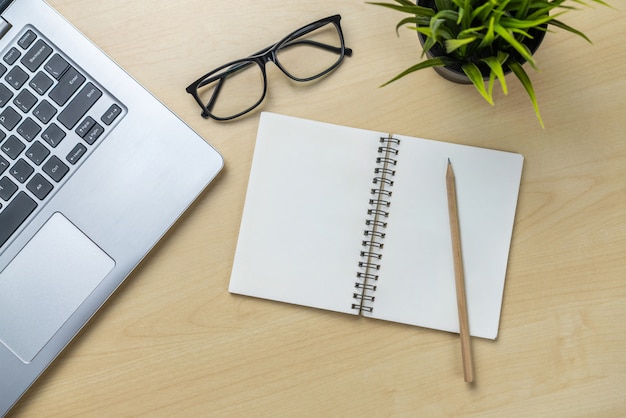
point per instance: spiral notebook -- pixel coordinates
(356, 221)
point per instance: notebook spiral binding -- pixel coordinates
(376, 224)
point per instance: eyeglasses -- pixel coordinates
(236, 88)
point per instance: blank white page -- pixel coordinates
(416, 284)
(304, 214)
(304, 221)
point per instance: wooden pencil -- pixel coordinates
(466, 349)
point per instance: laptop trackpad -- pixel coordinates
(45, 283)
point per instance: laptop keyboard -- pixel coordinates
(52, 116)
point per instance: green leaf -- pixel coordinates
(461, 16)
(473, 31)
(428, 44)
(429, 40)
(495, 65)
(562, 25)
(473, 73)
(523, 51)
(483, 12)
(454, 44)
(467, 15)
(432, 62)
(523, 78)
(418, 21)
(459, 3)
(444, 5)
(523, 34)
(511, 23)
(426, 31)
(539, 13)
(440, 31)
(503, 6)
(523, 10)
(492, 79)
(435, 24)
(451, 15)
(489, 36)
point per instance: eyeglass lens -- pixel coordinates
(234, 89)
(306, 57)
(238, 87)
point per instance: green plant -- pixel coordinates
(484, 38)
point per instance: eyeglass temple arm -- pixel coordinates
(331, 48)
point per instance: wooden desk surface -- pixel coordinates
(173, 341)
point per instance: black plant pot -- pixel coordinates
(454, 72)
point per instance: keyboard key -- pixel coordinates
(16, 212)
(111, 114)
(25, 101)
(44, 111)
(41, 83)
(76, 154)
(53, 135)
(4, 164)
(55, 168)
(67, 86)
(28, 129)
(94, 134)
(13, 147)
(27, 39)
(5, 95)
(9, 118)
(36, 56)
(37, 153)
(79, 105)
(85, 126)
(21, 171)
(12, 56)
(3, 69)
(7, 189)
(39, 186)
(16, 77)
(56, 66)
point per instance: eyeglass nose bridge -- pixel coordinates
(265, 56)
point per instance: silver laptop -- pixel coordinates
(93, 171)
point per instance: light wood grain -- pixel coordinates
(173, 342)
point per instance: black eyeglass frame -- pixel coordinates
(261, 58)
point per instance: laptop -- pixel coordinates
(93, 171)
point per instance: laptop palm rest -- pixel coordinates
(32, 309)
